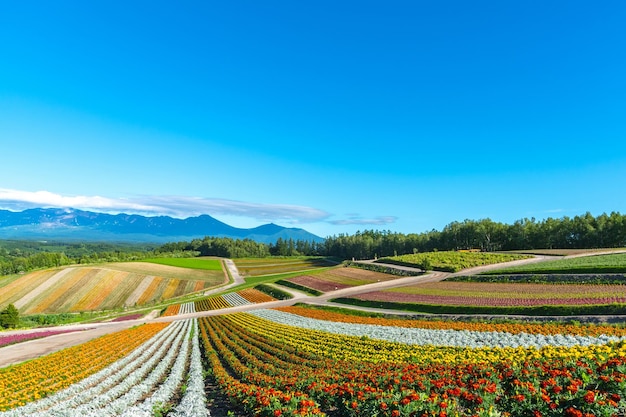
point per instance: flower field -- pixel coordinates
(472, 325)
(76, 289)
(268, 266)
(501, 294)
(274, 369)
(38, 378)
(302, 361)
(338, 278)
(233, 299)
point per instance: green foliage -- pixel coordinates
(380, 268)
(9, 317)
(274, 292)
(160, 409)
(17, 257)
(299, 287)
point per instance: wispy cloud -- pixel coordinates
(356, 220)
(175, 206)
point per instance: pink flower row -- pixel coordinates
(22, 337)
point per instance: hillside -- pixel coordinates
(105, 287)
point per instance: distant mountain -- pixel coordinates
(71, 224)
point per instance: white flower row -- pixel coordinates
(187, 308)
(193, 403)
(235, 299)
(166, 390)
(415, 336)
(93, 385)
(131, 390)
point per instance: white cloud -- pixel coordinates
(356, 220)
(175, 206)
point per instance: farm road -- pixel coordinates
(32, 349)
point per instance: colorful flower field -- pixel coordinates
(339, 278)
(76, 289)
(273, 369)
(29, 381)
(501, 294)
(302, 362)
(233, 299)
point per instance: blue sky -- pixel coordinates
(333, 116)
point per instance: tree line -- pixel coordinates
(579, 232)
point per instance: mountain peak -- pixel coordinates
(76, 224)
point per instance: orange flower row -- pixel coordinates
(255, 296)
(172, 310)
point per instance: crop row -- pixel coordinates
(271, 370)
(255, 296)
(22, 337)
(232, 299)
(438, 337)
(513, 328)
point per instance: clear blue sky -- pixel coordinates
(333, 116)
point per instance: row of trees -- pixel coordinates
(579, 232)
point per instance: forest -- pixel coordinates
(579, 232)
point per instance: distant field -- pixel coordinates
(338, 278)
(270, 266)
(501, 294)
(614, 263)
(451, 261)
(564, 252)
(104, 287)
(210, 264)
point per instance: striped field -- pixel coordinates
(106, 287)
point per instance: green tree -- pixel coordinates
(9, 317)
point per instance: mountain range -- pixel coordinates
(72, 224)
